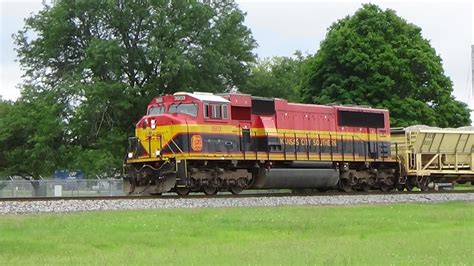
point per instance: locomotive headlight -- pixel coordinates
(153, 124)
(130, 155)
(158, 152)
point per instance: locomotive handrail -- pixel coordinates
(319, 147)
(307, 146)
(268, 147)
(342, 147)
(331, 137)
(296, 147)
(353, 148)
(255, 148)
(330, 145)
(179, 149)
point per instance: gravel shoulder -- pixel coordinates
(65, 206)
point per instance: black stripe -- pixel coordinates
(226, 143)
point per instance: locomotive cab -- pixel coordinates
(163, 131)
(174, 129)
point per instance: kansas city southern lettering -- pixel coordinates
(308, 142)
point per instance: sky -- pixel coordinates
(282, 27)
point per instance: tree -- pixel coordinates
(5, 111)
(105, 60)
(377, 58)
(31, 136)
(155, 46)
(276, 77)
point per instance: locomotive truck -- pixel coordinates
(203, 142)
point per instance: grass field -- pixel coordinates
(413, 234)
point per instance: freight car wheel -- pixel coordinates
(209, 190)
(423, 183)
(182, 191)
(410, 184)
(400, 187)
(345, 185)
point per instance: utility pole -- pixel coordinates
(470, 95)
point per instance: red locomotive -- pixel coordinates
(214, 142)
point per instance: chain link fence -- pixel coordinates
(61, 188)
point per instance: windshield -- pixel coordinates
(185, 108)
(156, 110)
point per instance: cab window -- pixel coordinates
(184, 108)
(156, 110)
(215, 111)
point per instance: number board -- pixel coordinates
(179, 97)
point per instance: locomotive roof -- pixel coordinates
(204, 96)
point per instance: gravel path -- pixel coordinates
(61, 206)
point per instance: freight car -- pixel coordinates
(231, 142)
(434, 157)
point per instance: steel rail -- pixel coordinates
(199, 195)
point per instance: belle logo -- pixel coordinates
(196, 143)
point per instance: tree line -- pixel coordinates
(92, 67)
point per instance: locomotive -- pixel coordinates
(230, 142)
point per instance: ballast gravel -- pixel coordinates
(65, 206)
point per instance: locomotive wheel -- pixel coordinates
(365, 187)
(385, 187)
(236, 189)
(400, 187)
(345, 185)
(209, 190)
(182, 191)
(195, 185)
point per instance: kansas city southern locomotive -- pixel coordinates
(230, 142)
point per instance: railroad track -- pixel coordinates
(198, 195)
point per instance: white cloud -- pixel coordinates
(12, 14)
(10, 77)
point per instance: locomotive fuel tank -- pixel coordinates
(292, 178)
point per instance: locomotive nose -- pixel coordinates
(153, 133)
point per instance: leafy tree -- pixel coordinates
(377, 58)
(155, 46)
(105, 60)
(5, 111)
(31, 135)
(276, 77)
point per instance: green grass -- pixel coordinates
(412, 234)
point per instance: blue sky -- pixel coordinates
(282, 27)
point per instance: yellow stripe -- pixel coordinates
(169, 131)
